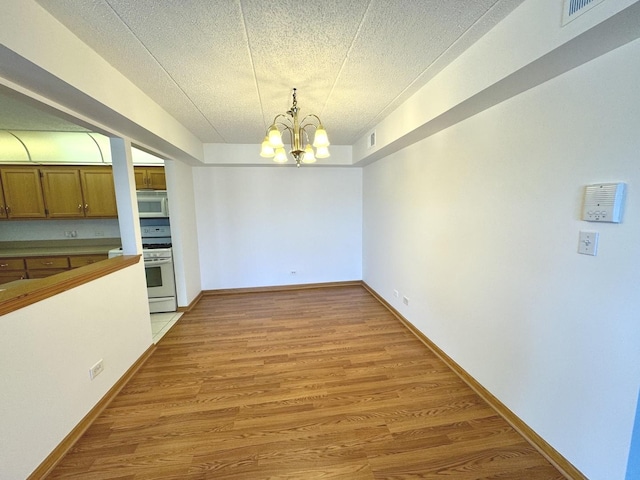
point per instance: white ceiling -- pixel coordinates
(225, 68)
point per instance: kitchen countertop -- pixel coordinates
(37, 248)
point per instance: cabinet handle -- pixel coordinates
(7, 209)
(86, 207)
(47, 263)
(80, 207)
(2, 265)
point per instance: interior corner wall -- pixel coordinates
(257, 225)
(478, 226)
(182, 208)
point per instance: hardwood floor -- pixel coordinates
(306, 384)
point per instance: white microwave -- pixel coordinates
(152, 203)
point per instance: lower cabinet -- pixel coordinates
(82, 260)
(12, 269)
(41, 267)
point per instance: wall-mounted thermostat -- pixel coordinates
(604, 202)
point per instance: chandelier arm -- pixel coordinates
(275, 120)
(311, 123)
(303, 129)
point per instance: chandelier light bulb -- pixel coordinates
(308, 156)
(322, 152)
(320, 139)
(275, 137)
(281, 155)
(267, 150)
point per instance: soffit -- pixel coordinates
(224, 69)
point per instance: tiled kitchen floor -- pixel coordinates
(161, 323)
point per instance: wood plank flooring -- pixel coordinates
(295, 385)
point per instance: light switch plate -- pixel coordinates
(588, 243)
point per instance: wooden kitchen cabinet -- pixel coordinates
(72, 192)
(3, 210)
(76, 261)
(12, 269)
(15, 268)
(41, 267)
(63, 192)
(99, 192)
(150, 178)
(22, 192)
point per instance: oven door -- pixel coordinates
(160, 280)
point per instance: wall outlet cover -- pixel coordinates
(588, 243)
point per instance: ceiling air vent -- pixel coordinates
(575, 8)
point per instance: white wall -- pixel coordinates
(182, 208)
(257, 224)
(478, 225)
(46, 350)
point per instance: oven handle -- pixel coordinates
(157, 261)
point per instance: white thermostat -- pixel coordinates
(603, 202)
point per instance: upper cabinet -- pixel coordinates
(3, 208)
(99, 192)
(150, 178)
(72, 192)
(22, 193)
(63, 191)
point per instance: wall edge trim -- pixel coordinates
(278, 288)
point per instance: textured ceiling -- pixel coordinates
(224, 69)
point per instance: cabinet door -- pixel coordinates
(3, 210)
(12, 269)
(156, 178)
(6, 277)
(150, 178)
(99, 192)
(140, 176)
(22, 192)
(62, 192)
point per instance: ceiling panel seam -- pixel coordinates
(163, 69)
(420, 78)
(253, 66)
(346, 57)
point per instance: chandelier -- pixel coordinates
(273, 147)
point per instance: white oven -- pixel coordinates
(158, 267)
(161, 285)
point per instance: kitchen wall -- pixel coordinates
(55, 229)
(257, 225)
(478, 226)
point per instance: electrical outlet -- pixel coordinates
(405, 300)
(67, 233)
(395, 293)
(293, 272)
(96, 370)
